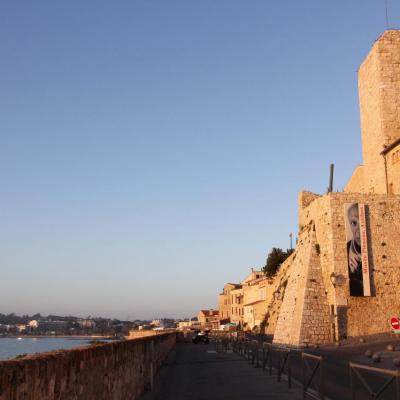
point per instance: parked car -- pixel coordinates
(201, 337)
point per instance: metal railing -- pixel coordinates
(253, 352)
(267, 357)
(262, 354)
(311, 364)
(221, 345)
(278, 360)
(393, 377)
(284, 367)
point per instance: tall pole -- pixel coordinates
(291, 244)
(387, 16)
(330, 188)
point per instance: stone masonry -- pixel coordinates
(310, 295)
(112, 371)
(304, 312)
(379, 91)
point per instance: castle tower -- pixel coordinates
(379, 92)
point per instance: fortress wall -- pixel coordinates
(304, 314)
(318, 216)
(379, 93)
(369, 315)
(379, 88)
(111, 371)
(383, 228)
(278, 284)
(393, 169)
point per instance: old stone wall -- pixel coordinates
(383, 230)
(111, 371)
(274, 303)
(393, 169)
(311, 309)
(304, 313)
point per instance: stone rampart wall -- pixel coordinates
(393, 170)
(312, 308)
(304, 313)
(276, 285)
(383, 229)
(379, 92)
(111, 371)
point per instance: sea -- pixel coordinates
(13, 347)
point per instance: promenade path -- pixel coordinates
(198, 372)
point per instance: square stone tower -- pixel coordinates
(315, 302)
(379, 92)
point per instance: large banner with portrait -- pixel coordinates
(357, 249)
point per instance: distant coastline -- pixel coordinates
(67, 337)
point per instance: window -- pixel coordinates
(395, 157)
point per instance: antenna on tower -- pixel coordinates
(387, 17)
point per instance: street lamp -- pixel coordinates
(337, 280)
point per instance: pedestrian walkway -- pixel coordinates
(198, 372)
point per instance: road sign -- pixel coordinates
(395, 323)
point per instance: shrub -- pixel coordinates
(274, 260)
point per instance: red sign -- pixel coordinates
(395, 323)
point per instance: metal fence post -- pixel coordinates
(353, 395)
(304, 379)
(307, 381)
(321, 380)
(151, 365)
(270, 360)
(393, 377)
(263, 357)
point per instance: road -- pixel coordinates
(336, 372)
(198, 372)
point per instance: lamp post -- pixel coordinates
(337, 280)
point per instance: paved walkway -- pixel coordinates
(198, 372)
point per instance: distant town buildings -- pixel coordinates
(55, 325)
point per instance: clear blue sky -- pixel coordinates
(153, 150)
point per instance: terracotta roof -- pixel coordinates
(210, 313)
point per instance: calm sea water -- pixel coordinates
(12, 347)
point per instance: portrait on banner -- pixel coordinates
(357, 249)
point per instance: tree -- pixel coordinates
(274, 260)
